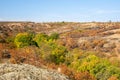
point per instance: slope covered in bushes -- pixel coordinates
(82, 53)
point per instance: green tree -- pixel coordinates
(88, 63)
(58, 54)
(41, 38)
(24, 39)
(54, 36)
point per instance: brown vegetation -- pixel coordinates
(79, 52)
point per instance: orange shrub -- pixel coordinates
(83, 76)
(113, 78)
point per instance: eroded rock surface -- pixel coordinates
(28, 72)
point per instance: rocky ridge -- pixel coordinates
(28, 72)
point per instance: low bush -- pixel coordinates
(24, 39)
(54, 36)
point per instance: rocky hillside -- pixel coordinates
(28, 72)
(100, 36)
(78, 49)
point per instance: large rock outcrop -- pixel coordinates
(28, 72)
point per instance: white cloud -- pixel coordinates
(107, 11)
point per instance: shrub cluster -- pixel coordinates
(81, 65)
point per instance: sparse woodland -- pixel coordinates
(82, 51)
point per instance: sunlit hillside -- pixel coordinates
(81, 51)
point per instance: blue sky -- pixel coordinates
(59, 10)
